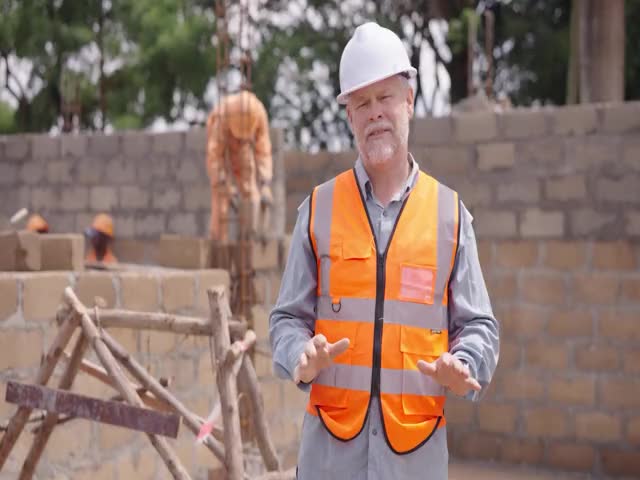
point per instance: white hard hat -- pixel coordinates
(372, 54)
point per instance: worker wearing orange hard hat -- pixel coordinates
(37, 224)
(239, 160)
(100, 238)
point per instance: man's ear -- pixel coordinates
(410, 101)
(350, 120)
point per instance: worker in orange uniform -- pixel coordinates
(100, 237)
(37, 224)
(239, 160)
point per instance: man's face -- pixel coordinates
(379, 118)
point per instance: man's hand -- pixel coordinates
(450, 372)
(318, 354)
(266, 197)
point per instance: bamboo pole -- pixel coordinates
(227, 384)
(50, 421)
(286, 475)
(129, 394)
(20, 418)
(192, 422)
(249, 380)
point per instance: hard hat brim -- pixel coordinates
(342, 98)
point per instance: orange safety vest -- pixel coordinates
(391, 305)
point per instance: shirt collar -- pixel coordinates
(366, 186)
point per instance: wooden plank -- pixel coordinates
(104, 411)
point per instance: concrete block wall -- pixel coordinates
(569, 172)
(150, 183)
(81, 449)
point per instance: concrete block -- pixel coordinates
(103, 198)
(8, 173)
(166, 199)
(475, 127)
(619, 255)
(183, 223)
(621, 117)
(596, 289)
(623, 190)
(73, 145)
(570, 322)
(134, 197)
(598, 427)
(169, 143)
(265, 256)
(135, 144)
(178, 291)
(59, 171)
(150, 225)
(90, 171)
(190, 171)
(523, 124)
(129, 250)
(448, 160)
(578, 390)
(546, 151)
(497, 417)
(177, 251)
(493, 156)
(633, 223)
(563, 255)
(45, 147)
(620, 462)
(104, 146)
(538, 223)
(571, 456)
(598, 358)
(74, 199)
(197, 197)
(21, 348)
(90, 285)
(546, 422)
(495, 223)
(196, 140)
(544, 289)
(139, 292)
(431, 131)
(522, 191)
(567, 188)
(516, 255)
(19, 251)
(579, 120)
(17, 147)
(593, 152)
(41, 294)
(29, 257)
(119, 171)
(8, 297)
(631, 154)
(586, 221)
(473, 194)
(62, 251)
(32, 172)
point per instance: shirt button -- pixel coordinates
(375, 432)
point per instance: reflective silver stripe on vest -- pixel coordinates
(446, 237)
(349, 309)
(322, 230)
(392, 381)
(415, 314)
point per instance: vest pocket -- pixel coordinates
(417, 283)
(419, 391)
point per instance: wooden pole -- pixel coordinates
(50, 421)
(162, 322)
(227, 384)
(249, 380)
(100, 374)
(20, 418)
(122, 383)
(151, 384)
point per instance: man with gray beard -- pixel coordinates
(383, 308)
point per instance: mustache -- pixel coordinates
(379, 125)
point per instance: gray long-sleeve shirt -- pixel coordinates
(473, 334)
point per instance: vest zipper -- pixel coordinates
(379, 321)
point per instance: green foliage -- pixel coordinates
(7, 121)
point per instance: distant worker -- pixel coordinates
(100, 238)
(37, 224)
(239, 161)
